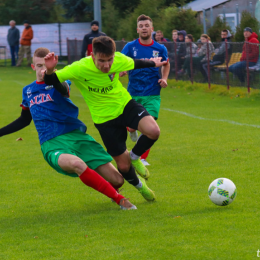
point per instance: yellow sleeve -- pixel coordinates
(69, 72)
(123, 63)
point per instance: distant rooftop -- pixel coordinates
(199, 5)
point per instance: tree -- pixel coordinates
(35, 11)
(247, 20)
(79, 10)
(214, 31)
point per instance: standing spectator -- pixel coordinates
(13, 37)
(25, 41)
(87, 41)
(159, 36)
(238, 68)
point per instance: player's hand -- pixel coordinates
(163, 83)
(122, 74)
(158, 62)
(51, 61)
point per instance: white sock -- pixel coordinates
(133, 156)
(139, 185)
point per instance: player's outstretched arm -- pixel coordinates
(51, 61)
(20, 123)
(153, 62)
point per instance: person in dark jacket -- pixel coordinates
(250, 50)
(13, 37)
(87, 41)
(181, 48)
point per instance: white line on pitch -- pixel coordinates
(18, 82)
(209, 119)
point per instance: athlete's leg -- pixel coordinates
(73, 164)
(110, 173)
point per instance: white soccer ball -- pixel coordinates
(222, 191)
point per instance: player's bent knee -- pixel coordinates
(77, 165)
(154, 133)
(124, 167)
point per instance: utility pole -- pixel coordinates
(97, 13)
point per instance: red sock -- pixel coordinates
(95, 181)
(145, 154)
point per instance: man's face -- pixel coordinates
(224, 35)
(180, 36)
(103, 62)
(12, 24)
(145, 29)
(38, 66)
(25, 24)
(158, 37)
(247, 34)
(94, 27)
(174, 36)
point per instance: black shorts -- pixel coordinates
(114, 132)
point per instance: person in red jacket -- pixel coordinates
(250, 50)
(25, 41)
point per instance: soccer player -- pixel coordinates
(64, 143)
(145, 84)
(111, 106)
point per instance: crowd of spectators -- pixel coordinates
(187, 52)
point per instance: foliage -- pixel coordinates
(35, 11)
(180, 19)
(247, 20)
(110, 19)
(79, 10)
(214, 31)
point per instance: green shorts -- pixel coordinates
(150, 103)
(76, 143)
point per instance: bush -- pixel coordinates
(214, 31)
(247, 20)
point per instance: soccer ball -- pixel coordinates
(222, 191)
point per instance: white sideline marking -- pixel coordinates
(18, 82)
(209, 119)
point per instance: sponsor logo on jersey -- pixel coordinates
(48, 87)
(39, 99)
(135, 51)
(100, 90)
(29, 92)
(155, 54)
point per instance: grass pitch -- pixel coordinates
(45, 215)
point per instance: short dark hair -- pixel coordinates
(159, 31)
(41, 52)
(104, 45)
(225, 30)
(144, 17)
(190, 37)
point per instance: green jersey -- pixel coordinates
(103, 92)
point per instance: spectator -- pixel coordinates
(181, 48)
(159, 36)
(25, 41)
(174, 35)
(13, 37)
(220, 53)
(252, 53)
(189, 41)
(87, 41)
(202, 56)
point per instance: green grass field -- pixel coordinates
(204, 135)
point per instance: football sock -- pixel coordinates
(95, 181)
(130, 176)
(145, 154)
(142, 145)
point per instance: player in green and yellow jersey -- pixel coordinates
(111, 106)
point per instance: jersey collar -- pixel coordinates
(146, 44)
